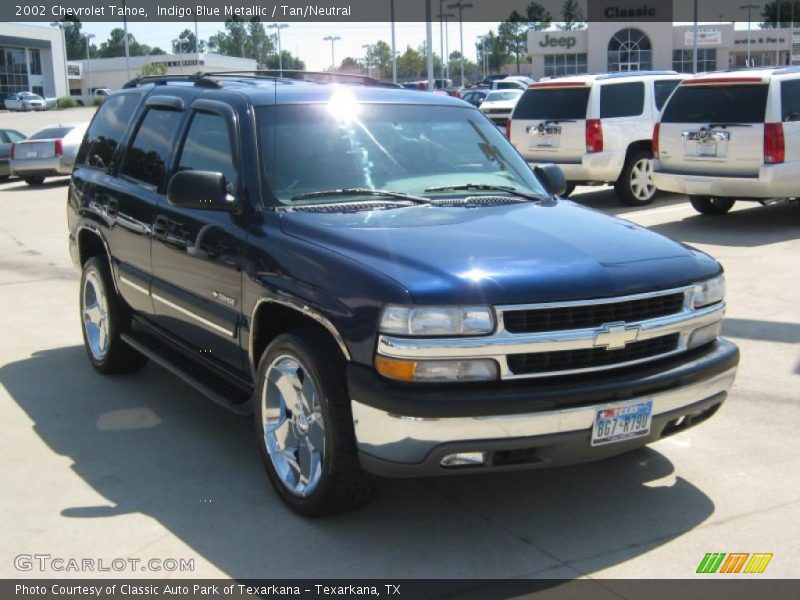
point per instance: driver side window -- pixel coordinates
(208, 147)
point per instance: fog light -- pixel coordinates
(704, 335)
(437, 370)
(464, 459)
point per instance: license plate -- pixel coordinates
(706, 149)
(622, 422)
(31, 154)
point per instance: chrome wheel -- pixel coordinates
(95, 315)
(641, 181)
(294, 430)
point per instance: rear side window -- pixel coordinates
(51, 133)
(148, 155)
(790, 100)
(554, 103)
(621, 100)
(107, 130)
(717, 104)
(208, 147)
(662, 89)
(14, 136)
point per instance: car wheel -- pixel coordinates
(635, 185)
(305, 426)
(568, 192)
(4, 177)
(34, 180)
(711, 206)
(104, 318)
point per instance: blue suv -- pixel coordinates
(382, 282)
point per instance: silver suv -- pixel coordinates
(597, 128)
(731, 136)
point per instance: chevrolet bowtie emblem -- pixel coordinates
(615, 336)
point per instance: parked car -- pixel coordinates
(474, 96)
(7, 139)
(499, 104)
(24, 101)
(512, 82)
(383, 282)
(597, 128)
(49, 152)
(731, 136)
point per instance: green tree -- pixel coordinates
(153, 68)
(350, 64)
(571, 16)
(258, 44)
(496, 51)
(185, 43)
(231, 41)
(290, 62)
(156, 51)
(380, 55)
(410, 64)
(114, 46)
(514, 30)
(73, 39)
(770, 14)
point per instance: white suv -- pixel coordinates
(597, 128)
(731, 136)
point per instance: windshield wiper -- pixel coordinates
(485, 187)
(361, 192)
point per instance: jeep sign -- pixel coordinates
(562, 41)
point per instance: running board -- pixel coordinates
(190, 373)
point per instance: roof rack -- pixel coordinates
(211, 79)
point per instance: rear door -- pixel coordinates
(715, 126)
(549, 122)
(790, 116)
(625, 115)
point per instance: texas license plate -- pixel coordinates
(31, 154)
(706, 149)
(622, 422)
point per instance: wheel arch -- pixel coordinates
(91, 243)
(271, 317)
(646, 145)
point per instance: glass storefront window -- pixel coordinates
(557, 65)
(630, 50)
(13, 70)
(706, 60)
(35, 62)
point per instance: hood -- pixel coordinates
(508, 254)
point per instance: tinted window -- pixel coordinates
(717, 104)
(208, 147)
(51, 133)
(621, 100)
(148, 155)
(790, 100)
(107, 130)
(662, 89)
(553, 104)
(14, 136)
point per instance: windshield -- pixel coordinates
(51, 133)
(403, 148)
(503, 96)
(553, 103)
(717, 104)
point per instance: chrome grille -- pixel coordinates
(591, 315)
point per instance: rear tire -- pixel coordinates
(34, 180)
(635, 185)
(304, 424)
(104, 318)
(711, 206)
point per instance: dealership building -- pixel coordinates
(627, 46)
(32, 59)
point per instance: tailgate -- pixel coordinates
(34, 150)
(549, 123)
(714, 130)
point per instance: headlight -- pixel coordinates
(709, 292)
(427, 321)
(437, 370)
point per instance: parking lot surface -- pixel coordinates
(142, 467)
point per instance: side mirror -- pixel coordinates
(206, 190)
(479, 101)
(553, 179)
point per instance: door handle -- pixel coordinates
(160, 226)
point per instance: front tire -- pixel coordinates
(635, 185)
(305, 426)
(711, 206)
(104, 318)
(34, 180)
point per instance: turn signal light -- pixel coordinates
(508, 129)
(774, 144)
(402, 370)
(59, 148)
(656, 133)
(594, 135)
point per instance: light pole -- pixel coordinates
(63, 27)
(484, 56)
(178, 43)
(441, 35)
(127, 49)
(332, 39)
(694, 43)
(394, 53)
(367, 47)
(446, 58)
(749, 8)
(429, 43)
(462, 6)
(88, 37)
(278, 27)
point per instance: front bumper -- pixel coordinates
(597, 167)
(773, 181)
(40, 167)
(407, 430)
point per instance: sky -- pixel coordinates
(305, 39)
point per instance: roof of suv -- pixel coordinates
(733, 76)
(589, 78)
(269, 90)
